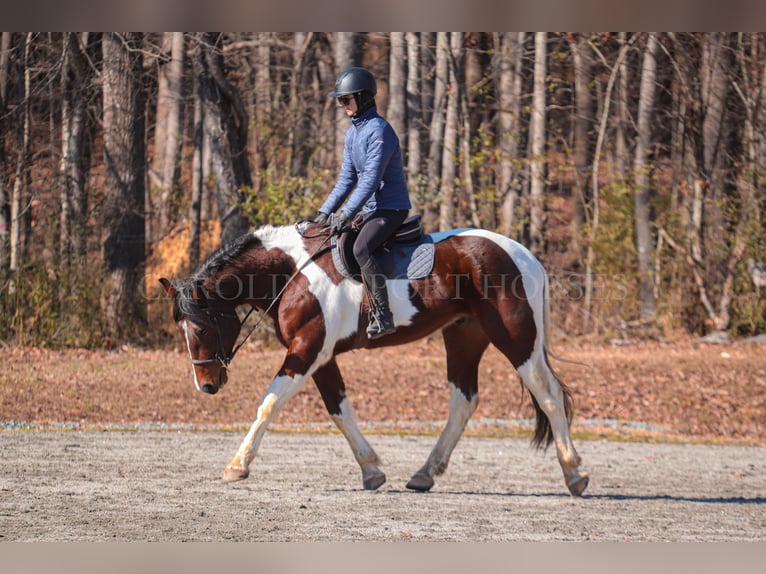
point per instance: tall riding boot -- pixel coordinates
(381, 318)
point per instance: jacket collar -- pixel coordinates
(361, 120)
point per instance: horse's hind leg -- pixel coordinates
(330, 384)
(553, 408)
(465, 343)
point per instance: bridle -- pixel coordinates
(221, 357)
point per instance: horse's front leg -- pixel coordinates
(330, 383)
(465, 343)
(290, 379)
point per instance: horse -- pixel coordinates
(484, 288)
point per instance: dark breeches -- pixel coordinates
(377, 228)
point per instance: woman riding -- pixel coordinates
(372, 179)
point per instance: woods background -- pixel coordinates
(633, 165)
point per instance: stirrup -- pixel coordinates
(377, 328)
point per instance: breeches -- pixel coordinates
(376, 229)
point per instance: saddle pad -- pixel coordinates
(405, 261)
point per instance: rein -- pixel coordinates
(220, 356)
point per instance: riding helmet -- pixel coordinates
(354, 80)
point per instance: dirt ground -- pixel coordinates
(164, 486)
(119, 446)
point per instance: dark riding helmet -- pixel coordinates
(353, 81)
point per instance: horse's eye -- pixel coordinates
(202, 332)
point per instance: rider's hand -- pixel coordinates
(337, 221)
(321, 218)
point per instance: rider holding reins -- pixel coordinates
(372, 178)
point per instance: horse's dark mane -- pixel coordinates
(185, 304)
(223, 255)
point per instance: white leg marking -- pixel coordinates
(460, 410)
(363, 452)
(282, 388)
(546, 389)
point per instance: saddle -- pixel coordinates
(408, 254)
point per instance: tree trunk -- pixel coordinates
(537, 151)
(76, 82)
(301, 120)
(225, 128)
(436, 131)
(170, 100)
(198, 176)
(450, 150)
(397, 87)
(18, 241)
(345, 56)
(583, 121)
(5, 215)
(643, 193)
(509, 64)
(125, 166)
(415, 177)
(264, 102)
(714, 82)
(622, 119)
(469, 76)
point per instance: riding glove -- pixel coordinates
(337, 222)
(321, 218)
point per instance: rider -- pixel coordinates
(372, 178)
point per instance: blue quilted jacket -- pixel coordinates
(372, 161)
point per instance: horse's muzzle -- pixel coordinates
(212, 389)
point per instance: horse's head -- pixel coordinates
(209, 328)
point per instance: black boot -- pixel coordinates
(381, 318)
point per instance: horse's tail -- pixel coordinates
(543, 436)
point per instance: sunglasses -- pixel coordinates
(345, 100)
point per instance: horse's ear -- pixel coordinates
(168, 287)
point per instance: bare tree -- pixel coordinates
(509, 65)
(643, 194)
(18, 241)
(436, 132)
(125, 160)
(225, 129)
(583, 122)
(5, 215)
(73, 165)
(397, 86)
(450, 157)
(169, 134)
(301, 122)
(537, 161)
(198, 168)
(622, 115)
(415, 177)
(346, 55)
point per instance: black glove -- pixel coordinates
(337, 222)
(321, 218)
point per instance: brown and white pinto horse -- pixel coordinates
(485, 288)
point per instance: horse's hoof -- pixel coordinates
(234, 474)
(374, 481)
(420, 482)
(578, 485)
